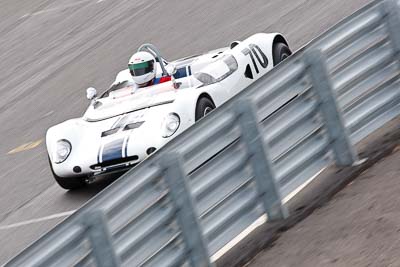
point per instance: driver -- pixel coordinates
(143, 68)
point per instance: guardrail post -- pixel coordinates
(186, 211)
(100, 239)
(322, 85)
(393, 22)
(264, 175)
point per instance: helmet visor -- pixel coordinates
(142, 68)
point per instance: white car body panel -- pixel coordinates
(149, 105)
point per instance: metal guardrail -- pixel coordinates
(201, 190)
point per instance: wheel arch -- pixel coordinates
(202, 95)
(280, 39)
(206, 95)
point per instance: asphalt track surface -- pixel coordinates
(52, 50)
(358, 227)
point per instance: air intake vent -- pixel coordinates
(132, 126)
(109, 132)
(127, 127)
(114, 162)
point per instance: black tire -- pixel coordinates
(69, 183)
(280, 52)
(203, 107)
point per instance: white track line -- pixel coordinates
(238, 238)
(301, 187)
(50, 217)
(260, 221)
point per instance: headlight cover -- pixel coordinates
(170, 124)
(62, 151)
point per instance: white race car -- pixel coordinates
(125, 124)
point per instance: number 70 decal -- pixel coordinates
(255, 51)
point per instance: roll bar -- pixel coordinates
(156, 53)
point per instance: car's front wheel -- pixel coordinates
(68, 183)
(203, 107)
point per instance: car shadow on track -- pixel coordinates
(87, 192)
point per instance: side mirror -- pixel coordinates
(171, 69)
(91, 93)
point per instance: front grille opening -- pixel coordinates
(113, 162)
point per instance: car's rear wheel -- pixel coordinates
(68, 183)
(203, 107)
(280, 52)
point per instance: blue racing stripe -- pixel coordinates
(112, 150)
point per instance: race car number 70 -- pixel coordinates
(263, 60)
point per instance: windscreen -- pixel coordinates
(115, 87)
